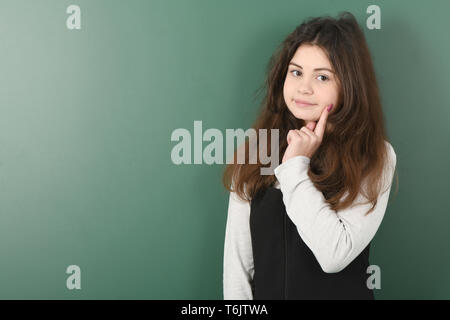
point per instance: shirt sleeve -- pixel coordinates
(238, 268)
(335, 238)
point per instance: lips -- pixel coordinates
(303, 103)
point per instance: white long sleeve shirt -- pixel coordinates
(335, 238)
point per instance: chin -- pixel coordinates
(305, 117)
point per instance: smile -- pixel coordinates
(304, 105)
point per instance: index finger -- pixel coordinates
(320, 127)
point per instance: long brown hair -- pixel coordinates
(353, 148)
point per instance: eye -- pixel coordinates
(294, 71)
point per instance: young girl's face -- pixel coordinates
(304, 83)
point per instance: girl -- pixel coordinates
(305, 232)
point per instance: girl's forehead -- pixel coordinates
(311, 52)
(310, 56)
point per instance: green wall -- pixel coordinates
(86, 116)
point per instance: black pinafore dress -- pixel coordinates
(285, 267)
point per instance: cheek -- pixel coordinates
(329, 94)
(334, 92)
(287, 89)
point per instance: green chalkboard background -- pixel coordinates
(86, 116)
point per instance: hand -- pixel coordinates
(306, 141)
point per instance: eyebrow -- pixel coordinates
(317, 69)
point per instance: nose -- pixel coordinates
(304, 87)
